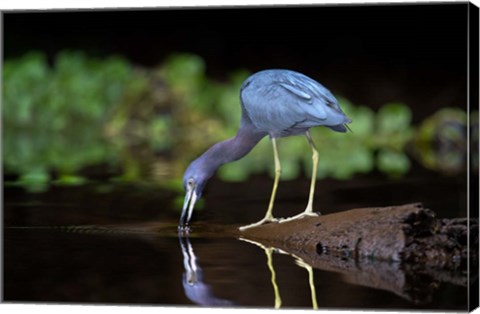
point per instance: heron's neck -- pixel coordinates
(230, 150)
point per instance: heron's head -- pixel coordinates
(194, 181)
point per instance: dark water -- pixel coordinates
(117, 243)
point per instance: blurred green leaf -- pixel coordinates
(36, 180)
(393, 163)
(232, 172)
(70, 180)
(394, 117)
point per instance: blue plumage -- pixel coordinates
(277, 103)
(284, 103)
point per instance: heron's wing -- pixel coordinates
(296, 91)
(304, 87)
(287, 101)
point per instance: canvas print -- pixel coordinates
(288, 157)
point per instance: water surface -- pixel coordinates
(118, 243)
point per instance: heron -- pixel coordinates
(274, 102)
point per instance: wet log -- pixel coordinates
(407, 233)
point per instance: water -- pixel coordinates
(118, 244)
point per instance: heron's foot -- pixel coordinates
(300, 216)
(259, 223)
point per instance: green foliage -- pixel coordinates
(204, 111)
(83, 111)
(394, 125)
(440, 142)
(158, 132)
(54, 116)
(393, 163)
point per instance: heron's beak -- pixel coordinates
(189, 261)
(187, 210)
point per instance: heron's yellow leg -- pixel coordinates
(313, 292)
(278, 171)
(309, 210)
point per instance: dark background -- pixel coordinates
(416, 54)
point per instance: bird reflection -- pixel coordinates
(268, 252)
(195, 289)
(298, 261)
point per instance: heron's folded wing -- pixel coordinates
(280, 106)
(296, 91)
(311, 99)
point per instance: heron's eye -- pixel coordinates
(190, 183)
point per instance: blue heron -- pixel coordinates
(278, 103)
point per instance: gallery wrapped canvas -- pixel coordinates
(319, 156)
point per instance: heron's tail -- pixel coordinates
(348, 128)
